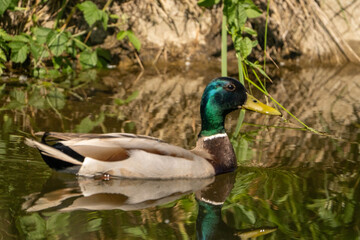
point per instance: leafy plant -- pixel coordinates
(92, 14)
(60, 45)
(132, 38)
(38, 96)
(237, 12)
(130, 98)
(6, 4)
(86, 125)
(4, 51)
(235, 15)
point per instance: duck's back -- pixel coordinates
(122, 155)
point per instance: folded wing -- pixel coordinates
(123, 155)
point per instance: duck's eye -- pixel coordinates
(230, 87)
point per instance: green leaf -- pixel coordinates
(134, 40)
(2, 66)
(241, 17)
(79, 44)
(86, 77)
(37, 50)
(39, 72)
(16, 46)
(36, 100)
(57, 42)
(252, 10)
(88, 59)
(2, 88)
(254, 43)
(253, 13)
(41, 34)
(207, 3)
(86, 125)
(244, 46)
(17, 100)
(71, 48)
(130, 127)
(53, 73)
(130, 98)
(4, 35)
(56, 99)
(2, 55)
(121, 35)
(257, 67)
(4, 4)
(236, 15)
(105, 19)
(61, 62)
(92, 14)
(19, 51)
(7, 122)
(230, 12)
(104, 57)
(20, 38)
(4, 46)
(250, 31)
(114, 16)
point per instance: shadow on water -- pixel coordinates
(304, 185)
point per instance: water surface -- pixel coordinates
(290, 184)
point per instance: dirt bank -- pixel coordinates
(305, 31)
(299, 31)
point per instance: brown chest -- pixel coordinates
(222, 153)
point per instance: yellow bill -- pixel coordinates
(255, 105)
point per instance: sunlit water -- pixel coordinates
(290, 184)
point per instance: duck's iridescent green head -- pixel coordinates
(222, 96)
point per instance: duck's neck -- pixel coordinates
(212, 117)
(221, 151)
(212, 137)
(212, 125)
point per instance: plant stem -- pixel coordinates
(60, 14)
(107, 4)
(257, 77)
(73, 10)
(267, 94)
(239, 122)
(240, 68)
(224, 47)
(241, 79)
(265, 37)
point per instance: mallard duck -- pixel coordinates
(134, 156)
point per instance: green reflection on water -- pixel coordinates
(302, 203)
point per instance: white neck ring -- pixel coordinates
(219, 135)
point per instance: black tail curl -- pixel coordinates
(55, 163)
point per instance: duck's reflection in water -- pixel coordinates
(64, 192)
(209, 223)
